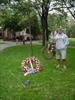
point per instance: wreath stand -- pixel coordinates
(31, 64)
(48, 51)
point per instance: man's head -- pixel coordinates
(60, 30)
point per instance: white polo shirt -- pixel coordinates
(61, 41)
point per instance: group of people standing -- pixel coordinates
(21, 36)
(60, 39)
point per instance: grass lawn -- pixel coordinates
(49, 84)
(72, 41)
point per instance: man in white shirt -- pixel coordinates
(61, 42)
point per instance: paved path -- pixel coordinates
(73, 46)
(9, 44)
(6, 44)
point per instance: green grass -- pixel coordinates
(49, 84)
(72, 41)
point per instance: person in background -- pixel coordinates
(24, 36)
(61, 43)
(17, 37)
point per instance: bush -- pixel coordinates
(71, 31)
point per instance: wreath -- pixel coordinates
(48, 51)
(31, 63)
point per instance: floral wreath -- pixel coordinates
(31, 62)
(51, 51)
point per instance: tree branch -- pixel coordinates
(69, 9)
(60, 7)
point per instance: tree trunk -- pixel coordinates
(45, 27)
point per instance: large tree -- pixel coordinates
(44, 6)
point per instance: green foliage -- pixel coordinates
(5, 14)
(71, 30)
(24, 7)
(72, 41)
(55, 21)
(4, 1)
(19, 17)
(10, 20)
(30, 16)
(35, 27)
